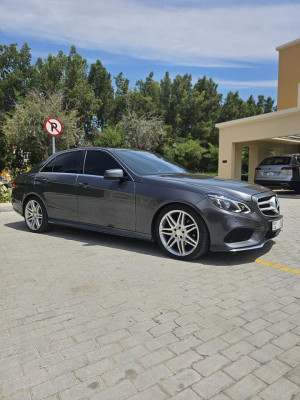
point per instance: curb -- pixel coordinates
(4, 207)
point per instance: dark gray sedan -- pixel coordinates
(142, 195)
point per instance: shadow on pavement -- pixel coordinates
(90, 238)
(287, 194)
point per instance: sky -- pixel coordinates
(232, 41)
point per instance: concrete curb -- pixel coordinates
(5, 207)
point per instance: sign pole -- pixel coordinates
(53, 144)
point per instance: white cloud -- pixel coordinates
(191, 35)
(246, 84)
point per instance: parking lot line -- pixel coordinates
(269, 264)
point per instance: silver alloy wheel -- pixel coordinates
(179, 233)
(33, 215)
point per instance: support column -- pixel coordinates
(237, 167)
(253, 161)
(230, 159)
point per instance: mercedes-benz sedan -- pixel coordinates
(142, 195)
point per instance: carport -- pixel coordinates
(277, 132)
(273, 133)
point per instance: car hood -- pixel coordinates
(207, 184)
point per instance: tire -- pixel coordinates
(181, 233)
(35, 215)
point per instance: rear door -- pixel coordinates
(104, 202)
(56, 184)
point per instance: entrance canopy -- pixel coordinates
(278, 131)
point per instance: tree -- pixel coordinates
(142, 133)
(109, 137)
(121, 97)
(77, 91)
(15, 79)
(233, 108)
(100, 82)
(25, 131)
(187, 153)
(49, 75)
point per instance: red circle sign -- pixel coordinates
(53, 126)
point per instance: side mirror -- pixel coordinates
(113, 174)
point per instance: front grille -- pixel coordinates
(269, 206)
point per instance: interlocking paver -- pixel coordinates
(211, 364)
(216, 382)
(245, 388)
(282, 389)
(151, 376)
(33, 378)
(291, 356)
(53, 386)
(119, 392)
(122, 372)
(241, 367)
(83, 390)
(134, 325)
(271, 371)
(180, 381)
(184, 360)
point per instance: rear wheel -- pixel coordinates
(36, 217)
(181, 233)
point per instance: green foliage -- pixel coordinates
(5, 194)
(142, 133)
(188, 153)
(25, 128)
(109, 137)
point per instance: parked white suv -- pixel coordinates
(281, 172)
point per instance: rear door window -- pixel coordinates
(67, 163)
(276, 161)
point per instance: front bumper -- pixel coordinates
(236, 232)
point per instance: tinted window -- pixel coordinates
(276, 161)
(67, 163)
(48, 167)
(97, 162)
(145, 163)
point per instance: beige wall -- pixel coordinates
(257, 133)
(288, 75)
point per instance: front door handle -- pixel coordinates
(84, 184)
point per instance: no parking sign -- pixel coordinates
(54, 128)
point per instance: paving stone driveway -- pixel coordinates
(90, 316)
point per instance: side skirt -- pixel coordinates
(102, 229)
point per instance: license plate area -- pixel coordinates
(276, 225)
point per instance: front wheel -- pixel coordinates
(182, 233)
(36, 216)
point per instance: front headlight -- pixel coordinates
(229, 204)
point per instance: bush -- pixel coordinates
(5, 194)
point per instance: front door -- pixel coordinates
(104, 202)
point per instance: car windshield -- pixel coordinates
(145, 163)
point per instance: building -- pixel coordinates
(278, 131)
